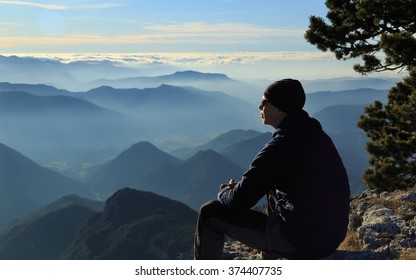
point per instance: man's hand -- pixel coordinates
(230, 184)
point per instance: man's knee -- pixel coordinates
(211, 208)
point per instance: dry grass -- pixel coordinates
(395, 204)
(351, 242)
(411, 255)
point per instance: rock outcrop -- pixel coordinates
(382, 226)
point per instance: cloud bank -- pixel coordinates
(186, 58)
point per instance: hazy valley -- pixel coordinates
(103, 155)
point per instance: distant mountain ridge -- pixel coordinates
(317, 101)
(192, 75)
(184, 76)
(349, 83)
(204, 81)
(35, 89)
(20, 102)
(45, 126)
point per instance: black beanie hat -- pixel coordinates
(287, 95)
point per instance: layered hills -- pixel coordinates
(131, 225)
(68, 126)
(46, 127)
(129, 168)
(153, 148)
(26, 186)
(144, 167)
(63, 123)
(195, 181)
(47, 232)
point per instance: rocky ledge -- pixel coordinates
(382, 226)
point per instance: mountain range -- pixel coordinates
(144, 167)
(46, 127)
(249, 92)
(237, 146)
(129, 168)
(63, 124)
(131, 224)
(320, 100)
(85, 75)
(154, 148)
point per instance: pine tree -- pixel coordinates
(382, 34)
(370, 29)
(392, 133)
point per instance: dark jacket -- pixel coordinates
(303, 166)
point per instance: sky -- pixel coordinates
(257, 39)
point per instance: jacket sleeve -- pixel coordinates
(268, 169)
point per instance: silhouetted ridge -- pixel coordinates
(127, 204)
(137, 225)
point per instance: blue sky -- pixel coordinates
(156, 26)
(268, 34)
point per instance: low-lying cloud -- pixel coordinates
(189, 58)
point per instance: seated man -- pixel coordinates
(304, 179)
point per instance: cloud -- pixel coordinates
(189, 58)
(96, 6)
(186, 33)
(33, 4)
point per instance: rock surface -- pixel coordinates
(382, 226)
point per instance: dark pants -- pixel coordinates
(252, 228)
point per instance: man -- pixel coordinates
(303, 177)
